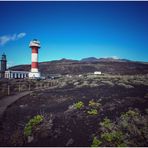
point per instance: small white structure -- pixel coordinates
(97, 73)
(16, 74)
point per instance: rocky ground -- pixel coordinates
(81, 111)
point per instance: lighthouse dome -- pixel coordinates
(35, 43)
(4, 57)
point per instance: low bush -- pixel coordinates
(130, 114)
(96, 142)
(94, 104)
(32, 123)
(114, 136)
(79, 105)
(130, 129)
(92, 112)
(125, 85)
(107, 123)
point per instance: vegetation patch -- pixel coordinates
(94, 104)
(125, 85)
(79, 105)
(31, 124)
(96, 142)
(128, 130)
(114, 136)
(106, 123)
(92, 112)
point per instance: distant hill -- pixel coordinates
(91, 59)
(91, 64)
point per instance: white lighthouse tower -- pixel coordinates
(34, 45)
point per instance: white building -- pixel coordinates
(16, 74)
(97, 73)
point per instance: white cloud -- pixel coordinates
(4, 39)
(115, 57)
(7, 38)
(21, 35)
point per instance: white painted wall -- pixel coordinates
(97, 72)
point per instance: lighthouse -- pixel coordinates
(3, 66)
(34, 45)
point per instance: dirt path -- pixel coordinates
(6, 101)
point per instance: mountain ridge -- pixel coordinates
(105, 59)
(105, 65)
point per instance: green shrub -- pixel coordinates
(106, 123)
(92, 112)
(107, 136)
(32, 122)
(130, 129)
(96, 142)
(113, 136)
(122, 145)
(79, 105)
(91, 103)
(94, 104)
(131, 114)
(135, 126)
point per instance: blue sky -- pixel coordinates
(74, 30)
